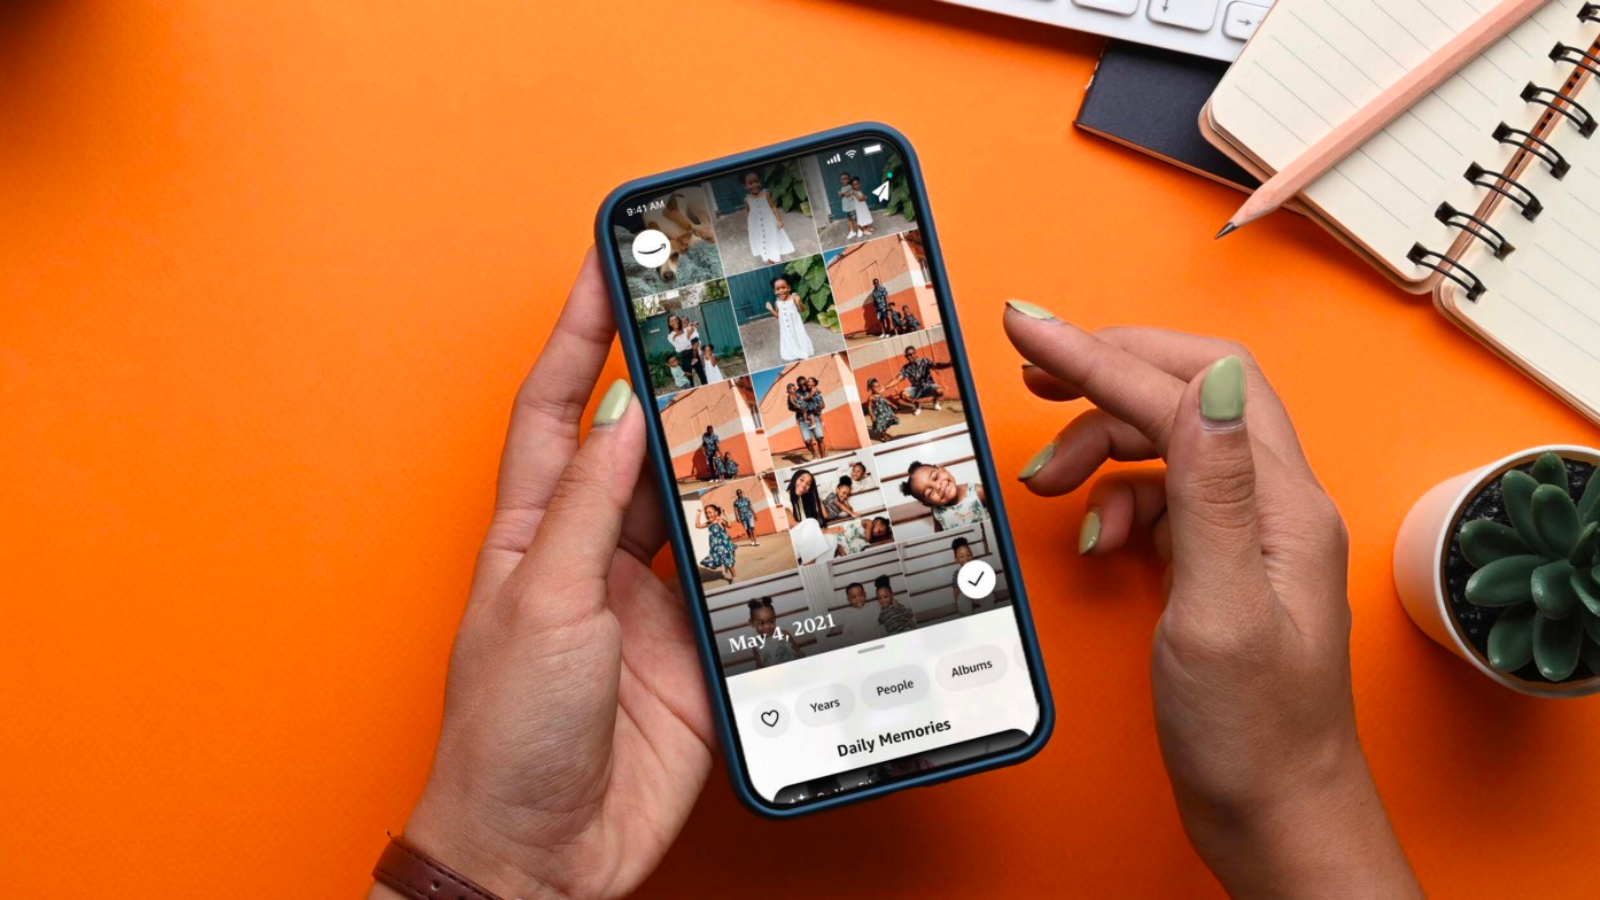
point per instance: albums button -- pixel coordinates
(896, 687)
(972, 668)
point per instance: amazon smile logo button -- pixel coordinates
(651, 248)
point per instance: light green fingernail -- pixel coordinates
(1037, 461)
(1222, 393)
(1031, 311)
(1089, 533)
(613, 404)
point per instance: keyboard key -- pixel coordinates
(1196, 15)
(1120, 7)
(1242, 19)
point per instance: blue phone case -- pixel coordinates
(660, 462)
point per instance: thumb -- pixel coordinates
(582, 524)
(1211, 491)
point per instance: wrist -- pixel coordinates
(1325, 835)
(454, 836)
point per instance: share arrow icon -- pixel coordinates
(882, 192)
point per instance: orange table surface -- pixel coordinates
(270, 273)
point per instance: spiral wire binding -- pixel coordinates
(1505, 185)
(1538, 146)
(1449, 268)
(1562, 104)
(1476, 227)
(1578, 56)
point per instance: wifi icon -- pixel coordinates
(850, 153)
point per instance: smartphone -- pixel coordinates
(832, 501)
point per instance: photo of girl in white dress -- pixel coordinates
(763, 217)
(785, 313)
(708, 360)
(861, 209)
(768, 241)
(793, 343)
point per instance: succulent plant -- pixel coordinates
(1540, 571)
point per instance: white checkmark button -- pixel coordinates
(976, 579)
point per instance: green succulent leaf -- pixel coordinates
(1553, 592)
(1591, 625)
(1556, 517)
(1484, 540)
(1588, 542)
(1504, 582)
(1588, 591)
(1516, 488)
(1549, 469)
(1589, 504)
(1556, 643)
(1511, 639)
(1590, 654)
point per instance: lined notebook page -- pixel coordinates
(1315, 62)
(1541, 305)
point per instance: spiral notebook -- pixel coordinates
(1486, 193)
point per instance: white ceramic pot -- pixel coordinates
(1420, 551)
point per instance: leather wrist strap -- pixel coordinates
(415, 875)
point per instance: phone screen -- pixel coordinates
(849, 563)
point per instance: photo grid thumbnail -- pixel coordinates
(817, 433)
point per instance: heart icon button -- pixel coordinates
(770, 719)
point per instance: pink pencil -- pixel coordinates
(1418, 83)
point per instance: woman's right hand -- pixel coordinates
(1250, 664)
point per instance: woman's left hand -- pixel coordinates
(576, 733)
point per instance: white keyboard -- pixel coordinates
(1214, 28)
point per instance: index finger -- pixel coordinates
(1112, 378)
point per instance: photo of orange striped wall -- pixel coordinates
(842, 424)
(882, 360)
(764, 503)
(730, 408)
(897, 262)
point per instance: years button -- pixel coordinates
(972, 668)
(895, 687)
(825, 705)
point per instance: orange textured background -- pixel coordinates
(270, 272)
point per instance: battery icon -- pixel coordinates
(872, 148)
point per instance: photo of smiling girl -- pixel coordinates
(953, 504)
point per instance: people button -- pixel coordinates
(770, 719)
(825, 705)
(975, 579)
(896, 687)
(972, 668)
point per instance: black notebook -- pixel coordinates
(1150, 100)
